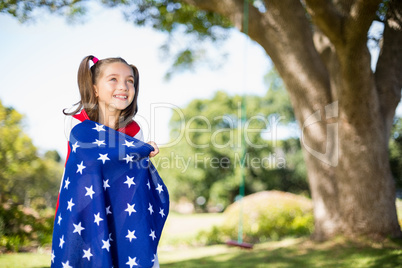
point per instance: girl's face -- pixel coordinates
(115, 88)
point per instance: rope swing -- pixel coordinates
(239, 242)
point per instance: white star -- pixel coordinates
(131, 235)
(53, 256)
(78, 228)
(59, 218)
(90, 192)
(62, 241)
(106, 184)
(108, 210)
(149, 185)
(128, 158)
(159, 188)
(131, 262)
(110, 237)
(87, 254)
(67, 182)
(99, 128)
(150, 209)
(130, 209)
(66, 265)
(154, 258)
(106, 244)
(103, 157)
(97, 218)
(129, 144)
(152, 234)
(98, 142)
(129, 181)
(70, 204)
(161, 212)
(75, 146)
(80, 167)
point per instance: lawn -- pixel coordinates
(290, 253)
(301, 252)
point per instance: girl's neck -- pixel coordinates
(108, 117)
(110, 122)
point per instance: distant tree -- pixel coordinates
(395, 148)
(24, 176)
(206, 160)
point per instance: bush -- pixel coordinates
(24, 227)
(268, 215)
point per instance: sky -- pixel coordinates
(40, 59)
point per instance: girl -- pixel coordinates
(112, 203)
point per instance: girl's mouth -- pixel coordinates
(122, 97)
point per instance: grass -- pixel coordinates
(40, 259)
(180, 228)
(175, 251)
(290, 253)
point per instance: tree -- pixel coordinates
(344, 108)
(24, 176)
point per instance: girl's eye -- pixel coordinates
(131, 81)
(113, 79)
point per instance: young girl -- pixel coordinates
(112, 203)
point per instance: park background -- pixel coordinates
(40, 59)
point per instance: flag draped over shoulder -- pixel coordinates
(112, 203)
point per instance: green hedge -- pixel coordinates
(268, 215)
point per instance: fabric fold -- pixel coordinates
(112, 202)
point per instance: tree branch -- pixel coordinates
(388, 74)
(232, 9)
(325, 15)
(286, 35)
(360, 18)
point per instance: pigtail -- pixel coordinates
(86, 81)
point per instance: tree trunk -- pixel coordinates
(345, 111)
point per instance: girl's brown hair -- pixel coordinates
(87, 77)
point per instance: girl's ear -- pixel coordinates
(96, 91)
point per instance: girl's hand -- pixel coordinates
(156, 149)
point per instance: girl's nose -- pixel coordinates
(123, 86)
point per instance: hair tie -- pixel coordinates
(94, 61)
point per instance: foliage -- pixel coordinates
(28, 186)
(267, 215)
(23, 9)
(24, 227)
(395, 151)
(25, 177)
(204, 166)
(195, 26)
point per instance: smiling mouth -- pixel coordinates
(120, 97)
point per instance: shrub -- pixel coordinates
(267, 215)
(24, 227)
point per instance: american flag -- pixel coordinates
(112, 203)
